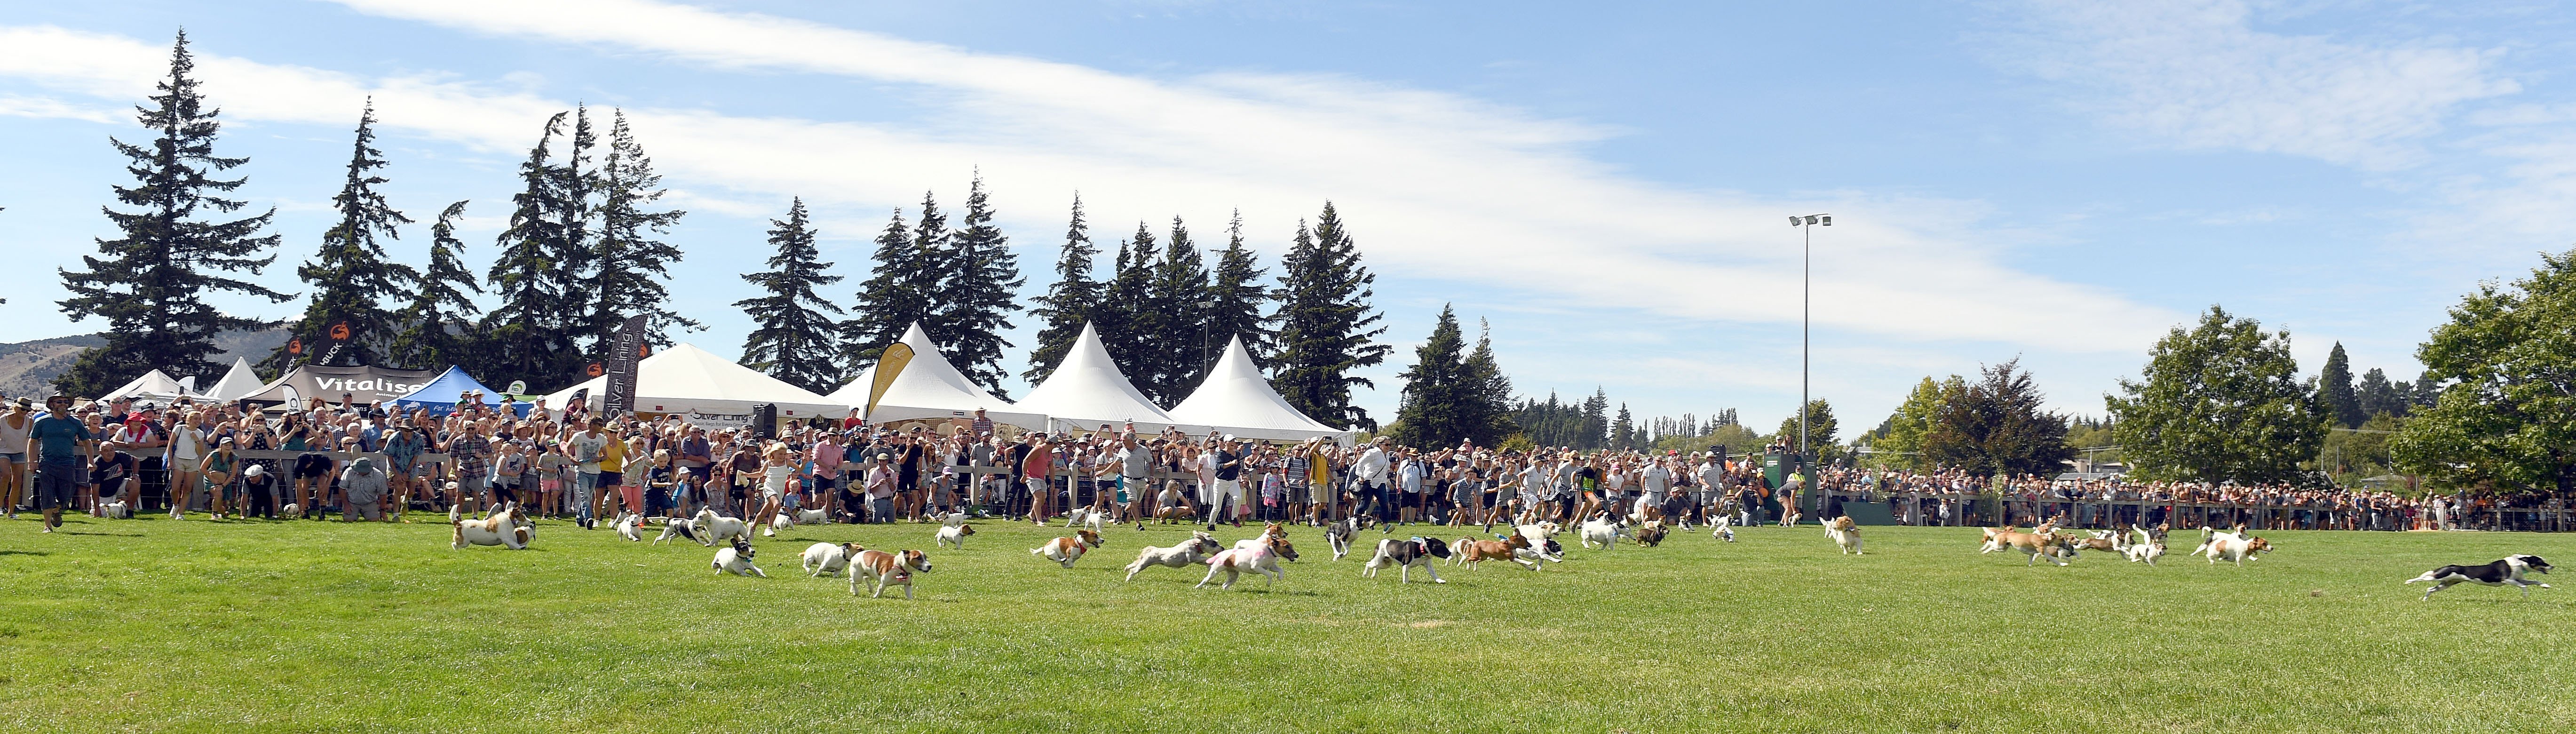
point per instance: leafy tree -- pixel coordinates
(1901, 443)
(1235, 287)
(150, 283)
(978, 289)
(1821, 428)
(792, 339)
(1075, 299)
(1180, 352)
(2351, 456)
(1997, 425)
(1325, 324)
(2335, 391)
(2222, 401)
(631, 265)
(894, 296)
(350, 278)
(531, 331)
(2506, 418)
(439, 323)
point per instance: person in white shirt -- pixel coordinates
(1371, 471)
(1712, 486)
(187, 455)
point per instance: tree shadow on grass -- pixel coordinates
(15, 552)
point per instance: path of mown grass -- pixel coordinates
(154, 624)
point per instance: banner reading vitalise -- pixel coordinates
(625, 355)
(362, 384)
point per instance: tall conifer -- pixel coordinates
(1325, 324)
(979, 285)
(351, 280)
(1127, 324)
(531, 332)
(150, 283)
(894, 295)
(439, 326)
(792, 339)
(1180, 342)
(1236, 288)
(631, 264)
(1073, 300)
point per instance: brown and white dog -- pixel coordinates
(954, 535)
(1651, 534)
(828, 559)
(506, 528)
(1404, 554)
(1190, 552)
(1064, 551)
(2236, 546)
(1846, 535)
(883, 569)
(1473, 552)
(2044, 542)
(1233, 562)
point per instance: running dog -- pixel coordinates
(1651, 533)
(1473, 552)
(827, 559)
(1406, 554)
(1064, 551)
(1340, 532)
(1233, 562)
(1190, 552)
(952, 519)
(882, 569)
(954, 535)
(2503, 572)
(2043, 543)
(713, 527)
(2143, 546)
(737, 560)
(118, 510)
(628, 526)
(1846, 535)
(2236, 547)
(1094, 520)
(681, 527)
(501, 529)
(1602, 531)
(1723, 528)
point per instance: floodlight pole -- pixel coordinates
(1806, 308)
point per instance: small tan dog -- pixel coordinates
(505, 528)
(881, 569)
(1846, 534)
(1064, 551)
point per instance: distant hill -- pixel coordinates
(29, 367)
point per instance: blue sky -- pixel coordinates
(2057, 182)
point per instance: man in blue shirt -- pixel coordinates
(57, 440)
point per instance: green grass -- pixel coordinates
(153, 624)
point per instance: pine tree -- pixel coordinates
(1181, 351)
(1074, 299)
(2334, 389)
(979, 288)
(1596, 421)
(575, 182)
(350, 278)
(150, 283)
(1623, 432)
(894, 296)
(1427, 413)
(531, 332)
(631, 265)
(1235, 287)
(1485, 393)
(439, 324)
(793, 340)
(2378, 395)
(1325, 324)
(1127, 324)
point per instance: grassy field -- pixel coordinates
(159, 625)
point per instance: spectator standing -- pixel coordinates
(57, 441)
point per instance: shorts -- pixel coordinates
(1124, 482)
(55, 485)
(312, 466)
(824, 485)
(656, 501)
(610, 478)
(14, 457)
(471, 486)
(187, 464)
(1319, 492)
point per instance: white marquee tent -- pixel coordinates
(238, 382)
(1236, 399)
(1087, 390)
(153, 385)
(685, 379)
(929, 386)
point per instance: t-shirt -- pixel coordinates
(58, 440)
(612, 456)
(590, 449)
(1039, 464)
(1229, 466)
(1136, 462)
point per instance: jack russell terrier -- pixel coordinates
(1064, 551)
(882, 569)
(1601, 531)
(713, 527)
(503, 528)
(1096, 521)
(2236, 547)
(1473, 552)
(1846, 534)
(1404, 554)
(2503, 572)
(1190, 552)
(1651, 534)
(681, 527)
(953, 535)
(2043, 543)
(736, 560)
(827, 559)
(1233, 562)
(628, 524)
(1339, 534)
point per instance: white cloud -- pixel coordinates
(2197, 75)
(44, 107)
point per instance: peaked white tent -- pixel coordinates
(686, 379)
(1235, 398)
(153, 385)
(929, 386)
(239, 381)
(1086, 390)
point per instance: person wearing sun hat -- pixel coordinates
(57, 442)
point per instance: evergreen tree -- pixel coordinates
(531, 332)
(575, 182)
(1128, 325)
(1623, 432)
(439, 324)
(1485, 393)
(1596, 421)
(350, 278)
(2335, 391)
(1235, 287)
(792, 339)
(1074, 299)
(2220, 402)
(978, 289)
(894, 296)
(1428, 413)
(1180, 320)
(631, 265)
(1325, 324)
(150, 283)
(2378, 395)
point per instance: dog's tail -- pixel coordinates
(455, 514)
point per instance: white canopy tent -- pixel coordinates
(153, 385)
(686, 379)
(1086, 390)
(929, 387)
(1236, 399)
(238, 382)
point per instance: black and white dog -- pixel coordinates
(1405, 554)
(2505, 572)
(1339, 534)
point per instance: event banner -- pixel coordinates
(361, 384)
(623, 358)
(718, 421)
(335, 343)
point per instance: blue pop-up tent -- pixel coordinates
(441, 394)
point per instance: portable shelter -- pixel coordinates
(687, 380)
(1236, 399)
(1086, 390)
(441, 394)
(238, 382)
(153, 385)
(362, 383)
(928, 386)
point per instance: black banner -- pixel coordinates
(624, 356)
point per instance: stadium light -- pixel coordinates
(1806, 308)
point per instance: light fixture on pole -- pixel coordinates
(1806, 307)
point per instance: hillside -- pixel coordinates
(29, 367)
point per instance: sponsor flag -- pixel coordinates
(888, 365)
(625, 354)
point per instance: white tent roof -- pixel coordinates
(239, 381)
(1235, 398)
(685, 378)
(153, 384)
(931, 387)
(1087, 390)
